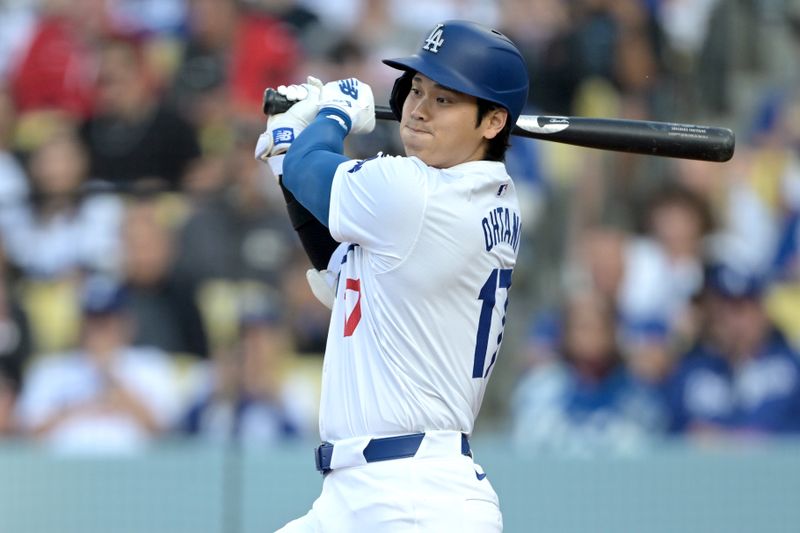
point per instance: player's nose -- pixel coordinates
(419, 109)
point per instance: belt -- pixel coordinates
(382, 449)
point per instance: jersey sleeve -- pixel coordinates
(379, 204)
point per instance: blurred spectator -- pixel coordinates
(637, 69)
(236, 48)
(236, 229)
(15, 348)
(697, 39)
(136, 17)
(524, 164)
(105, 396)
(650, 277)
(57, 68)
(308, 319)
(414, 17)
(541, 344)
(543, 32)
(583, 46)
(293, 12)
(164, 304)
(600, 260)
(17, 23)
(62, 227)
(782, 301)
(132, 136)
(679, 220)
(742, 378)
(749, 230)
(246, 399)
(199, 86)
(664, 267)
(257, 62)
(773, 174)
(13, 181)
(649, 350)
(585, 401)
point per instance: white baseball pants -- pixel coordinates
(439, 490)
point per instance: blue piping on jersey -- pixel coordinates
(311, 162)
(350, 248)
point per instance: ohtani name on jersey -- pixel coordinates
(501, 225)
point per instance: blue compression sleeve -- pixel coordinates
(311, 162)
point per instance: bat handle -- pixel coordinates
(274, 102)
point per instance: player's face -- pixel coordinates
(439, 125)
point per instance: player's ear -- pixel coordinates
(493, 122)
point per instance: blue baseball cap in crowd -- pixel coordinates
(103, 295)
(260, 307)
(734, 282)
(645, 329)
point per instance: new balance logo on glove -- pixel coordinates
(354, 103)
(349, 87)
(283, 135)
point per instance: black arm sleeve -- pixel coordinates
(314, 236)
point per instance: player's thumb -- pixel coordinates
(314, 84)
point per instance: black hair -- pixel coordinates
(675, 193)
(496, 149)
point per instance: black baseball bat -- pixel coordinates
(665, 139)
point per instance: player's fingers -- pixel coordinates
(293, 93)
(301, 92)
(289, 91)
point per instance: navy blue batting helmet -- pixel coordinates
(469, 58)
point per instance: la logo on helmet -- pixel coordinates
(434, 40)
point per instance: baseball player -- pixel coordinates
(415, 256)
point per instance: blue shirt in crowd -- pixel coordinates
(759, 395)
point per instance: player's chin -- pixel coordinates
(414, 151)
(414, 142)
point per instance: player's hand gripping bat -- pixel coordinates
(666, 139)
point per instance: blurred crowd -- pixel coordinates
(151, 285)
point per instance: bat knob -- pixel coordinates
(274, 102)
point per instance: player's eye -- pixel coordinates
(414, 91)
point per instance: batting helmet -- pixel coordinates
(469, 58)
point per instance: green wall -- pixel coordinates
(187, 487)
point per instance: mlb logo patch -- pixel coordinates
(283, 135)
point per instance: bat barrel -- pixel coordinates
(666, 139)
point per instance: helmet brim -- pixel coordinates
(417, 64)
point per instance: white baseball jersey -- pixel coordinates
(421, 294)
